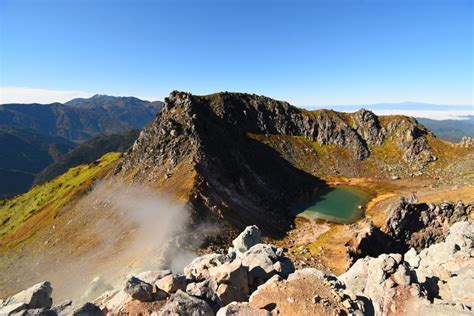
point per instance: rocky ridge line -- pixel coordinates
(200, 146)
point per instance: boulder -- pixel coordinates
(63, 308)
(264, 261)
(36, 297)
(411, 258)
(113, 301)
(234, 274)
(12, 308)
(88, 309)
(369, 277)
(181, 303)
(152, 276)
(206, 290)
(304, 292)
(460, 287)
(242, 309)
(172, 282)
(434, 282)
(198, 269)
(139, 289)
(247, 239)
(306, 272)
(402, 275)
(441, 262)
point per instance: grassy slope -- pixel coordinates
(50, 197)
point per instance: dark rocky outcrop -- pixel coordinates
(88, 309)
(409, 225)
(139, 289)
(211, 151)
(419, 225)
(368, 126)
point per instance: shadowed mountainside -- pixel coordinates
(24, 153)
(87, 152)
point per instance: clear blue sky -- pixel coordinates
(306, 52)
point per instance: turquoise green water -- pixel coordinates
(341, 204)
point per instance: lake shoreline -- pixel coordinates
(341, 204)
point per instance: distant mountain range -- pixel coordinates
(451, 130)
(80, 119)
(32, 136)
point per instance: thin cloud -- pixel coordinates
(38, 95)
(434, 115)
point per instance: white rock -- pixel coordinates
(37, 296)
(247, 239)
(411, 257)
(198, 269)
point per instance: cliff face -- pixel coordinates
(244, 158)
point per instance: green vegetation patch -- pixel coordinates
(53, 195)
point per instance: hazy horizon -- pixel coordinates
(410, 108)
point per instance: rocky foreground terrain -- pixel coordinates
(254, 278)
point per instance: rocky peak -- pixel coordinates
(368, 126)
(211, 150)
